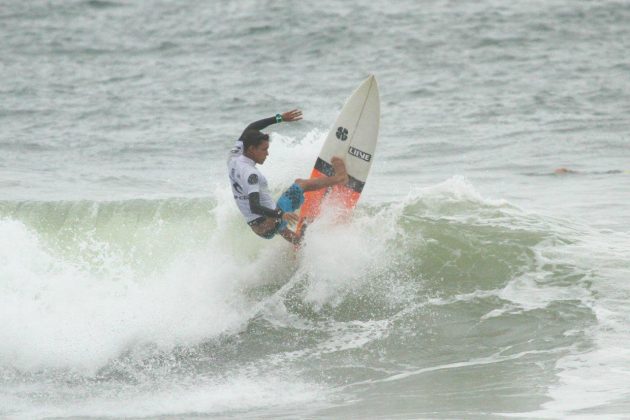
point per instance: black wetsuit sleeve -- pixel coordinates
(258, 125)
(257, 208)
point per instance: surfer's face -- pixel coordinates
(259, 153)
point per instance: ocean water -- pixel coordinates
(472, 281)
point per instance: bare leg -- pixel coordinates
(340, 177)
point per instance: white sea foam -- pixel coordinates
(456, 189)
(65, 316)
(274, 393)
(338, 257)
(291, 158)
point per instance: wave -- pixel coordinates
(118, 259)
(162, 291)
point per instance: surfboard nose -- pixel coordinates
(370, 82)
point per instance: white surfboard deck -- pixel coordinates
(353, 138)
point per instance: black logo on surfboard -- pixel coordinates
(360, 154)
(342, 133)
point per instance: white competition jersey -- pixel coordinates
(235, 151)
(246, 179)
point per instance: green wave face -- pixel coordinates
(142, 233)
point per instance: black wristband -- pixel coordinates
(279, 213)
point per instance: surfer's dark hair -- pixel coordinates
(253, 138)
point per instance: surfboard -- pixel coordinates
(353, 138)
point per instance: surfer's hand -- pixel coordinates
(290, 217)
(293, 115)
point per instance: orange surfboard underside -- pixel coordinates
(341, 195)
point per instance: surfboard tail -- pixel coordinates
(339, 196)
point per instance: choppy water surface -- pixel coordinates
(472, 281)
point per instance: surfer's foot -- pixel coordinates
(341, 175)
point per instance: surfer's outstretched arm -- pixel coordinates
(259, 125)
(293, 115)
(340, 177)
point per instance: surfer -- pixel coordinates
(564, 171)
(250, 189)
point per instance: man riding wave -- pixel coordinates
(250, 189)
